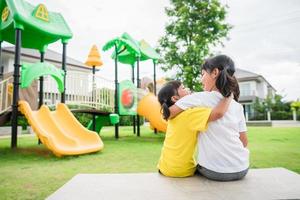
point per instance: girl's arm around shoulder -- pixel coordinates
(219, 111)
(174, 111)
(189, 101)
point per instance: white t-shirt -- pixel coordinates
(219, 148)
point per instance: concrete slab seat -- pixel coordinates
(272, 183)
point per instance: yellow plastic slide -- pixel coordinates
(149, 107)
(60, 131)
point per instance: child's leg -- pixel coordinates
(221, 176)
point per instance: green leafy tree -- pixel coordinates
(295, 105)
(280, 110)
(278, 104)
(195, 26)
(259, 110)
(258, 106)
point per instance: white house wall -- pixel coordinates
(262, 90)
(8, 63)
(247, 88)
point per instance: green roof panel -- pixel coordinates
(39, 26)
(147, 52)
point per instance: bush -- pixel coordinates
(22, 121)
(275, 115)
(126, 120)
(258, 116)
(83, 118)
(281, 115)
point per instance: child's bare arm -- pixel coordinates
(174, 111)
(244, 139)
(219, 111)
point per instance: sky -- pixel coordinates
(264, 38)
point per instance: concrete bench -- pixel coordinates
(272, 183)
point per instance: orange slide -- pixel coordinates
(60, 131)
(149, 107)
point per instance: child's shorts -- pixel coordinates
(216, 176)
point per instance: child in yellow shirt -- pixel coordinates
(177, 155)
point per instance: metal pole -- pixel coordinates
(41, 97)
(93, 97)
(154, 84)
(133, 117)
(138, 86)
(116, 91)
(64, 56)
(1, 59)
(14, 119)
(93, 86)
(154, 76)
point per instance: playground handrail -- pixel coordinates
(81, 91)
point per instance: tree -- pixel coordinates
(195, 26)
(280, 110)
(295, 105)
(278, 104)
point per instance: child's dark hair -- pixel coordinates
(165, 96)
(226, 81)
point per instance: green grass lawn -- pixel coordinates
(32, 172)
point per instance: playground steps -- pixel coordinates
(272, 183)
(60, 131)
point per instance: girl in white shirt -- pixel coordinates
(222, 152)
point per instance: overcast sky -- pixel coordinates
(264, 40)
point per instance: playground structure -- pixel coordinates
(57, 136)
(58, 130)
(129, 51)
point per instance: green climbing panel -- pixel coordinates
(127, 95)
(31, 72)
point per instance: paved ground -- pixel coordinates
(5, 132)
(285, 123)
(274, 123)
(272, 183)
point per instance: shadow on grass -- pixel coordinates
(39, 151)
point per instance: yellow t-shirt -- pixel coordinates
(177, 155)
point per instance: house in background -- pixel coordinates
(79, 78)
(252, 86)
(32, 56)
